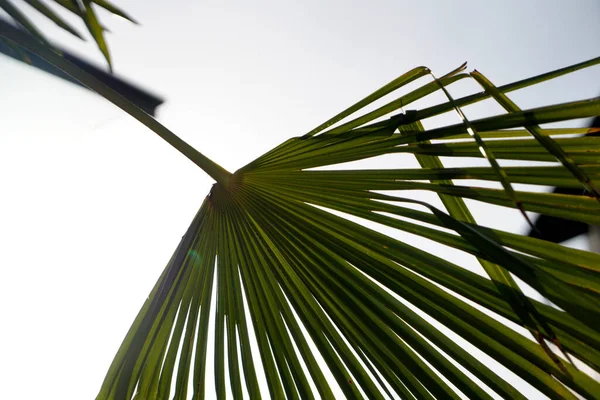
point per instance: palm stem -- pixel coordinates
(22, 39)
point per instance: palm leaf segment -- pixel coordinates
(275, 274)
(83, 9)
(283, 271)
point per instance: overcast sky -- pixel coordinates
(92, 204)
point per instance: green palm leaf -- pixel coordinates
(282, 272)
(83, 9)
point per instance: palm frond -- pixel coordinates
(309, 273)
(82, 9)
(283, 272)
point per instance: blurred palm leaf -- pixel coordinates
(83, 9)
(282, 272)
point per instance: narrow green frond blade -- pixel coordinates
(548, 143)
(489, 155)
(396, 104)
(402, 80)
(114, 9)
(474, 98)
(47, 12)
(22, 20)
(91, 21)
(70, 5)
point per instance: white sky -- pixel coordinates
(92, 204)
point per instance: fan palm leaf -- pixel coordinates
(84, 9)
(291, 268)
